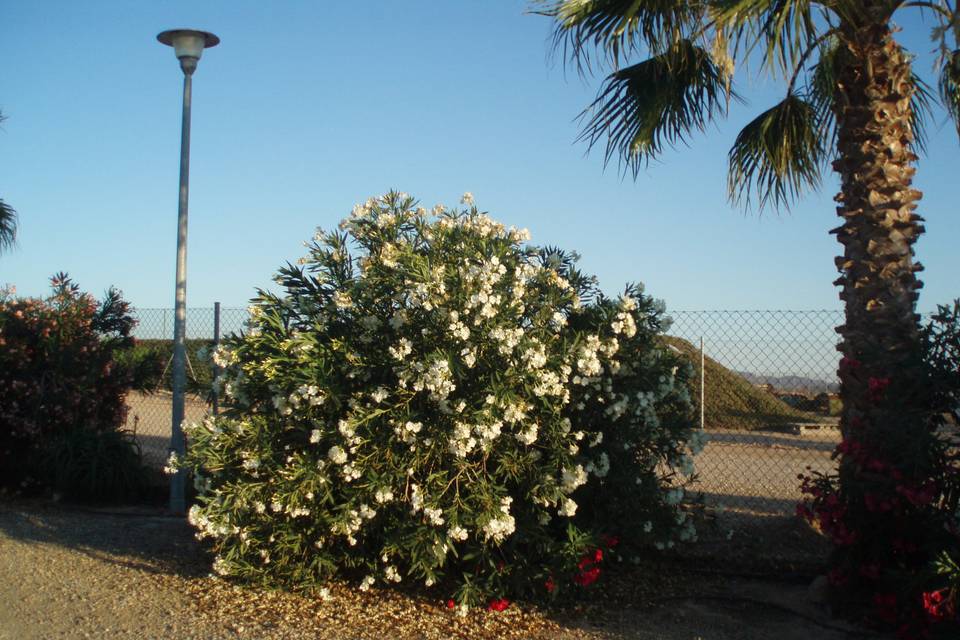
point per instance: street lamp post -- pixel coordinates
(188, 45)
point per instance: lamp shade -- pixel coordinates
(188, 43)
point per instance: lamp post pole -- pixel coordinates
(188, 46)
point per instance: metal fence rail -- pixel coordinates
(769, 405)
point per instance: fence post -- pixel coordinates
(703, 374)
(216, 343)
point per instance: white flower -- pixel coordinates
(568, 509)
(573, 478)
(173, 464)
(315, 436)
(457, 532)
(379, 395)
(529, 436)
(392, 574)
(398, 319)
(467, 199)
(435, 516)
(383, 496)
(324, 594)
(337, 455)
(674, 496)
(367, 583)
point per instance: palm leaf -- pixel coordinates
(777, 156)
(656, 102)
(785, 28)
(8, 226)
(822, 87)
(949, 87)
(617, 27)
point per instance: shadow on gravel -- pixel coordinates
(136, 538)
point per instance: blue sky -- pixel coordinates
(308, 107)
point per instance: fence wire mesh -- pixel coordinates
(769, 403)
(770, 407)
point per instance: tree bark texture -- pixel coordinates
(877, 205)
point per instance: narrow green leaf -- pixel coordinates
(655, 103)
(778, 155)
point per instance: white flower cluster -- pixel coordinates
(588, 360)
(434, 377)
(624, 322)
(503, 525)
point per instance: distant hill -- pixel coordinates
(802, 384)
(734, 402)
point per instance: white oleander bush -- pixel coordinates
(432, 401)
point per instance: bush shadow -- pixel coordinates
(140, 538)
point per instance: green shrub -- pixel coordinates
(94, 466)
(58, 373)
(150, 362)
(446, 406)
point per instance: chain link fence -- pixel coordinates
(769, 402)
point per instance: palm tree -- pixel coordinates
(851, 101)
(8, 226)
(8, 220)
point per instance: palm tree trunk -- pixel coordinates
(877, 203)
(881, 372)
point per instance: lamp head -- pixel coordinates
(188, 45)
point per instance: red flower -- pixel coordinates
(935, 604)
(611, 541)
(587, 577)
(549, 584)
(498, 604)
(598, 556)
(877, 386)
(451, 604)
(849, 363)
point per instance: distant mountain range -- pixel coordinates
(791, 383)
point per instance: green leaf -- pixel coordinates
(778, 155)
(949, 87)
(784, 28)
(617, 28)
(654, 103)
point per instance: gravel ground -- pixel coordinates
(71, 573)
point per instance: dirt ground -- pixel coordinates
(73, 573)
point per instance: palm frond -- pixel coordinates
(784, 28)
(8, 226)
(949, 87)
(617, 28)
(777, 156)
(656, 102)
(821, 90)
(921, 110)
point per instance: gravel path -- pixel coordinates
(69, 573)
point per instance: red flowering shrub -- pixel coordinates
(58, 374)
(891, 509)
